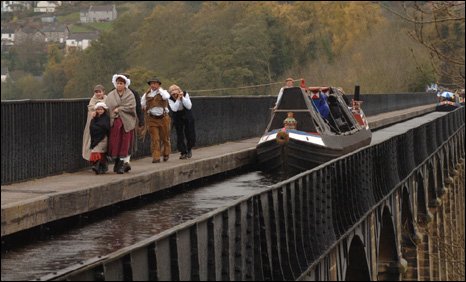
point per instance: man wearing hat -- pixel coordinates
(155, 105)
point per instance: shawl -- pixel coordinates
(126, 105)
(100, 128)
(86, 152)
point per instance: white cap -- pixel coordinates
(115, 76)
(100, 105)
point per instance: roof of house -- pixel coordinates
(29, 30)
(47, 4)
(83, 35)
(54, 28)
(8, 29)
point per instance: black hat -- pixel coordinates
(154, 80)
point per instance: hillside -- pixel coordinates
(212, 45)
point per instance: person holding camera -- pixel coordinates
(183, 119)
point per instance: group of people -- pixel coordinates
(114, 121)
(326, 104)
(319, 99)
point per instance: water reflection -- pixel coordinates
(128, 227)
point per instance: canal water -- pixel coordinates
(29, 261)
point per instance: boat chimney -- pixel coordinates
(356, 93)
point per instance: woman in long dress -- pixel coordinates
(122, 109)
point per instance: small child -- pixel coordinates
(99, 130)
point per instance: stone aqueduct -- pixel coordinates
(393, 210)
(415, 233)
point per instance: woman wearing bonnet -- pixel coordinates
(122, 110)
(99, 96)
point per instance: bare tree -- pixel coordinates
(439, 27)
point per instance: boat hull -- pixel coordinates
(295, 156)
(446, 107)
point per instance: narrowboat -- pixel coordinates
(447, 101)
(310, 126)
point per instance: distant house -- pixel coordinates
(12, 6)
(80, 40)
(46, 6)
(55, 33)
(98, 14)
(24, 33)
(6, 46)
(5, 74)
(8, 39)
(8, 34)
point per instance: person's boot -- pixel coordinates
(102, 168)
(126, 167)
(117, 164)
(95, 167)
(98, 167)
(189, 154)
(120, 168)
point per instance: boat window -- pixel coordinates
(293, 101)
(303, 119)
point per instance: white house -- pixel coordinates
(5, 74)
(98, 14)
(46, 6)
(80, 40)
(8, 39)
(8, 34)
(11, 6)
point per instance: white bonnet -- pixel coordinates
(115, 76)
(100, 104)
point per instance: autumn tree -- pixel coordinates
(106, 56)
(139, 76)
(28, 87)
(28, 55)
(9, 90)
(256, 48)
(226, 45)
(54, 80)
(162, 42)
(439, 27)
